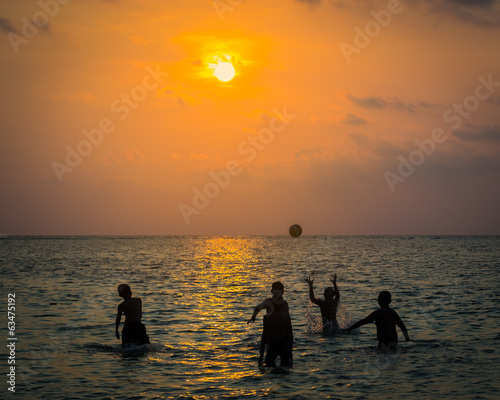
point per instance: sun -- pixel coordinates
(223, 68)
(224, 71)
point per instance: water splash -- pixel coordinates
(343, 317)
(314, 323)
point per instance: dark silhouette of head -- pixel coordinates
(329, 293)
(124, 291)
(384, 298)
(277, 286)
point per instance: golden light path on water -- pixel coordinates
(198, 293)
(223, 281)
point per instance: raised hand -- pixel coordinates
(334, 280)
(309, 280)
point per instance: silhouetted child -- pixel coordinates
(328, 306)
(386, 320)
(134, 331)
(277, 327)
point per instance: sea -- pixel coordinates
(198, 293)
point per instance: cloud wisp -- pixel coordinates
(373, 102)
(478, 134)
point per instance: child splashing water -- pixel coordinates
(334, 316)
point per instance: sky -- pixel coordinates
(346, 117)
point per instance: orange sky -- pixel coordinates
(321, 125)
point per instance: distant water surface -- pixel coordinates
(198, 293)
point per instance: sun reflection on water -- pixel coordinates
(227, 270)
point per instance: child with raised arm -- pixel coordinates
(277, 327)
(386, 320)
(134, 331)
(328, 306)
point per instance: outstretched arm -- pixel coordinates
(362, 322)
(256, 311)
(118, 319)
(311, 290)
(335, 288)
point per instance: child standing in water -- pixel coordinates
(386, 320)
(277, 324)
(328, 306)
(134, 331)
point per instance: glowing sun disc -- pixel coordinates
(224, 71)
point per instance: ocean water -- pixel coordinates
(198, 292)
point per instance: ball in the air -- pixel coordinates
(295, 230)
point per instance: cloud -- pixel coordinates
(474, 3)
(351, 119)
(479, 134)
(461, 162)
(379, 147)
(380, 103)
(368, 102)
(134, 155)
(308, 153)
(494, 100)
(408, 107)
(478, 4)
(200, 156)
(483, 13)
(6, 25)
(309, 1)
(109, 160)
